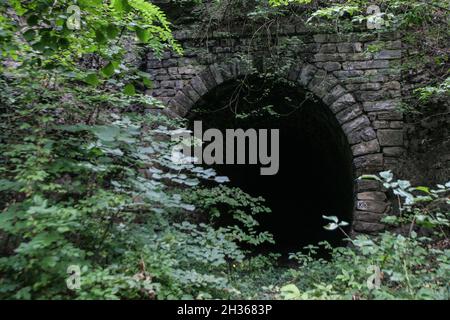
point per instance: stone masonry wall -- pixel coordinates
(361, 87)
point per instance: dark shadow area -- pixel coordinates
(315, 176)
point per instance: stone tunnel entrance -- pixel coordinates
(315, 175)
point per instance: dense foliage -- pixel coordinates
(87, 181)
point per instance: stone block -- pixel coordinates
(349, 47)
(372, 206)
(386, 105)
(343, 102)
(328, 48)
(191, 93)
(335, 93)
(215, 72)
(170, 63)
(372, 195)
(177, 108)
(390, 138)
(198, 85)
(392, 115)
(324, 57)
(348, 114)
(356, 124)
(371, 217)
(365, 134)
(208, 79)
(367, 147)
(368, 185)
(322, 83)
(331, 66)
(183, 100)
(306, 75)
(363, 65)
(393, 151)
(387, 54)
(367, 227)
(369, 161)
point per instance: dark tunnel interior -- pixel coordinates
(315, 176)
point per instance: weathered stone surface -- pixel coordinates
(294, 73)
(332, 66)
(364, 96)
(370, 160)
(381, 124)
(324, 57)
(393, 151)
(171, 84)
(320, 37)
(335, 93)
(183, 100)
(365, 134)
(367, 227)
(348, 114)
(372, 195)
(349, 47)
(392, 85)
(186, 70)
(208, 79)
(371, 206)
(385, 105)
(343, 102)
(371, 217)
(388, 54)
(215, 71)
(396, 124)
(154, 63)
(328, 48)
(366, 148)
(345, 74)
(306, 75)
(176, 107)
(170, 63)
(191, 93)
(392, 115)
(356, 124)
(367, 185)
(322, 83)
(198, 85)
(390, 138)
(363, 65)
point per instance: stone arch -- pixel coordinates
(370, 201)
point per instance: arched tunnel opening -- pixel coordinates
(315, 176)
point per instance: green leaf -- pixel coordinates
(145, 79)
(331, 226)
(33, 20)
(29, 35)
(423, 189)
(109, 69)
(143, 34)
(290, 292)
(92, 79)
(221, 179)
(369, 177)
(106, 133)
(343, 224)
(100, 37)
(331, 218)
(121, 6)
(111, 31)
(387, 175)
(129, 89)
